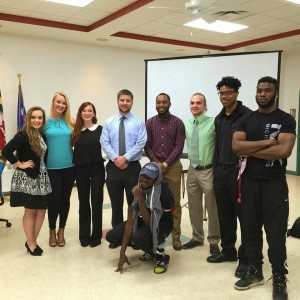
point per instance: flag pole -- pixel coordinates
(19, 76)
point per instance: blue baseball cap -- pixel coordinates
(151, 170)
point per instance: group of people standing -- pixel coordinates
(237, 168)
(49, 154)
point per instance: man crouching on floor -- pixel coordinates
(149, 220)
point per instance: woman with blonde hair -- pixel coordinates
(30, 185)
(58, 130)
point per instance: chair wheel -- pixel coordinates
(8, 224)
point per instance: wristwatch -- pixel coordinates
(165, 164)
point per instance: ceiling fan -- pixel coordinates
(192, 6)
(205, 9)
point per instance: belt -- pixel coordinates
(200, 168)
(129, 163)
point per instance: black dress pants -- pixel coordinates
(229, 210)
(117, 182)
(90, 181)
(62, 181)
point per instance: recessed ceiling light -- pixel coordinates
(294, 1)
(80, 3)
(219, 26)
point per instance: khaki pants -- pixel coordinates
(200, 183)
(173, 177)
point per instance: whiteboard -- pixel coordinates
(182, 77)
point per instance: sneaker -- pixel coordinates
(145, 257)
(252, 277)
(279, 287)
(241, 269)
(162, 264)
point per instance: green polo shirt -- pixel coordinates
(206, 138)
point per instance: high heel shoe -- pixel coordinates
(52, 238)
(40, 249)
(60, 237)
(35, 252)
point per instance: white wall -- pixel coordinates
(289, 94)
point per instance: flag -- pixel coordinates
(21, 110)
(2, 127)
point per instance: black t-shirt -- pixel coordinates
(262, 126)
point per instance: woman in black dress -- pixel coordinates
(30, 183)
(90, 174)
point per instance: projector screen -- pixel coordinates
(182, 77)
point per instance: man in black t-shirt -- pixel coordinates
(265, 139)
(149, 219)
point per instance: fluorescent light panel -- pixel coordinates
(80, 3)
(294, 1)
(219, 26)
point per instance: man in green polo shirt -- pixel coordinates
(200, 138)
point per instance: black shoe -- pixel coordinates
(37, 249)
(279, 287)
(214, 249)
(241, 269)
(113, 246)
(192, 244)
(95, 242)
(252, 277)
(40, 249)
(220, 258)
(84, 243)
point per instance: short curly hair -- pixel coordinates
(269, 79)
(229, 81)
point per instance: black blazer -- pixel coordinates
(20, 144)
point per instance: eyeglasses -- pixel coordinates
(227, 93)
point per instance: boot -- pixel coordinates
(279, 287)
(52, 238)
(60, 237)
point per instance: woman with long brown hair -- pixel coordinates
(30, 185)
(90, 174)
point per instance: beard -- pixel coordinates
(266, 103)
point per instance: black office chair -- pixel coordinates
(8, 224)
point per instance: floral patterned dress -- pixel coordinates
(28, 192)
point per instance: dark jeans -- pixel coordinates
(62, 181)
(265, 203)
(142, 238)
(117, 181)
(229, 210)
(90, 181)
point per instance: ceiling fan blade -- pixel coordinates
(164, 7)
